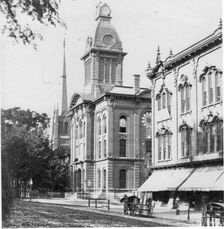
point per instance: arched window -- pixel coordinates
(123, 124)
(185, 96)
(122, 148)
(104, 124)
(99, 126)
(104, 178)
(99, 178)
(122, 178)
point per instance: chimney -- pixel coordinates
(136, 83)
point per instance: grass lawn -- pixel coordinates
(29, 214)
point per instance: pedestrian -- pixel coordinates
(125, 204)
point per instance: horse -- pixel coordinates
(130, 204)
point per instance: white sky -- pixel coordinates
(31, 79)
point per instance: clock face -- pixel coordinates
(108, 39)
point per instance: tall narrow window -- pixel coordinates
(99, 150)
(122, 148)
(219, 131)
(163, 100)
(159, 148)
(123, 124)
(122, 179)
(169, 147)
(99, 126)
(80, 130)
(105, 148)
(66, 128)
(104, 124)
(182, 99)
(210, 86)
(205, 139)
(217, 87)
(183, 142)
(99, 178)
(187, 98)
(164, 147)
(148, 150)
(188, 140)
(84, 129)
(159, 103)
(104, 179)
(204, 92)
(212, 138)
(169, 102)
(76, 132)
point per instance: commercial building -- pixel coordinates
(187, 123)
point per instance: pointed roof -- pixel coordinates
(64, 106)
(158, 56)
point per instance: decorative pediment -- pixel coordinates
(209, 70)
(184, 126)
(163, 131)
(162, 90)
(184, 82)
(210, 119)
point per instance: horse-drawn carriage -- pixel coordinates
(213, 214)
(133, 206)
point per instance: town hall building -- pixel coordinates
(110, 122)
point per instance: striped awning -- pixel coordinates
(208, 178)
(166, 179)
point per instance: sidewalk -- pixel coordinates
(162, 216)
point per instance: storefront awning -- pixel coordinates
(166, 179)
(205, 179)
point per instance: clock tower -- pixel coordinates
(103, 58)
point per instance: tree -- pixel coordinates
(59, 165)
(42, 11)
(25, 151)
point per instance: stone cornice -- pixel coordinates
(100, 50)
(196, 49)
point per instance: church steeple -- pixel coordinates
(64, 85)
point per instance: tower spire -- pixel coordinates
(64, 85)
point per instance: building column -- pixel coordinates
(110, 128)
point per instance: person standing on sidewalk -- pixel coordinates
(125, 204)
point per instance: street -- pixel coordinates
(29, 214)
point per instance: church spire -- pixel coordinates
(64, 85)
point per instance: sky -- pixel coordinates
(31, 79)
